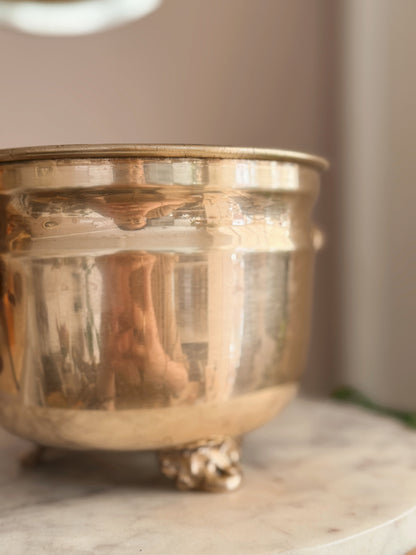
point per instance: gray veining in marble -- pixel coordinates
(321, 478)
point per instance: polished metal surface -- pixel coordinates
(128, 150)
(150, 301)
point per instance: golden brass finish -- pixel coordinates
(211, 465)
(152, 297)
(58, 152)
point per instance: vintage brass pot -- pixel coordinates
(154, 297)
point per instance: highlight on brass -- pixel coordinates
(154, 298)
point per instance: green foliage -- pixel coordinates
(348, 394)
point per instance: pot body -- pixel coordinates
(151, 298)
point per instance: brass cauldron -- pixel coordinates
(154, 297)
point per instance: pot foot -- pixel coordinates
(211, 465)
(35, 457)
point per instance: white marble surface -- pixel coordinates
(322, 478)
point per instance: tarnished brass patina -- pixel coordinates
(154, 297)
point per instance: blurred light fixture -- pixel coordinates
(71, 17)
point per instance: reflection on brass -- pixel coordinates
(152, 300)
(211, 465)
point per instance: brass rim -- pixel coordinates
(53, 152)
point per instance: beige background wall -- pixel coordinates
(237, 72)
(378, 186)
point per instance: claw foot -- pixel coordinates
(34, 457)
(212, 465)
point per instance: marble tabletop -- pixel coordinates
(321, 478)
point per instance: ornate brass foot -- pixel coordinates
(34, 457)
(212, 465)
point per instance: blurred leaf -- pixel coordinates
(350, 395)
